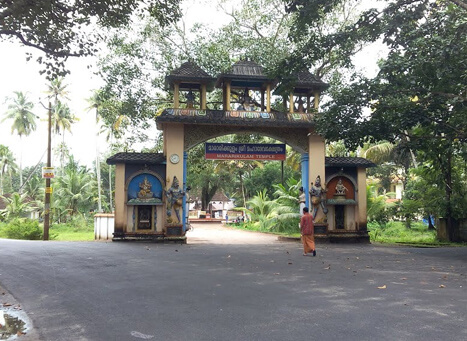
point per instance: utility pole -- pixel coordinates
(48, 189)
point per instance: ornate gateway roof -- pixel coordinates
(137, 158)
(189, 76)
(348, 162)
(304, 83)
(245, 73)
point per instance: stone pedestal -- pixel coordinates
(174, 230)
(321, 228)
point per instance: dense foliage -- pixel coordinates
(23, 229)
(417, 100)
(63, 29)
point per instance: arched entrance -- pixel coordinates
(246, 108)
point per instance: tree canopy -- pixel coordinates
(418, 99)
(63, 29)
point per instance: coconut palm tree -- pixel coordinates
(378, 205)
(113, 130)
(58, 90)
(24, 121)
(7, 164)
(288, 208)
(95, 102)
(262, 211)
(16, 206)
(62, 119)
(337, 149)
(73, 190)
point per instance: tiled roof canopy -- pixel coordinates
(137, 158)
(247, 68)
(306, 79)
(348, 162)
(303, 83)
(245, 73)
(189, 76)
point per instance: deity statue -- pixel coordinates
(246, 104)
(302, 200)
(190, 100)
(301, 107)
(145, 189)
(340, 188)
(318, 197)
(174, 200)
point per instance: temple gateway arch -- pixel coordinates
(150, 187)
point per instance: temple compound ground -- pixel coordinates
(245, 286)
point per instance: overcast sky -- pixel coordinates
(19, 75)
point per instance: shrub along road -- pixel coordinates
(235, 285)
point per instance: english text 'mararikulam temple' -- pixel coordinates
(150, 188)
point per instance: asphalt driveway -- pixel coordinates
(233, 285)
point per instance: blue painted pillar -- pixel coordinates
(184, 208)
(306, 177)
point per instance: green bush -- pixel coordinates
(23, 229)
(2, 230)
(77, 228)
(397, 232)
(76, 224)
(288, 226)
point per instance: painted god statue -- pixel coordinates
(340, 188)
(145, 189)
(174, 201)
(246, 103)
(318, 197)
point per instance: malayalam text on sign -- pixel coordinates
(244, 151)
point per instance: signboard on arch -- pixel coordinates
(244, 151)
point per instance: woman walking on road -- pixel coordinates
(307, 230)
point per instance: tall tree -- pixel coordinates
(419, 94)
(62, 119)
(95, 102)
(61, 116)
(24, 121)
(74, 191)
(258, 29)
(63, 29)
(7, 165)
(57, 90)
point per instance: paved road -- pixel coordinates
(232, 285)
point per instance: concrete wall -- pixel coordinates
(361, 218)
(316, 166)
(103, 226)
(120, 200)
